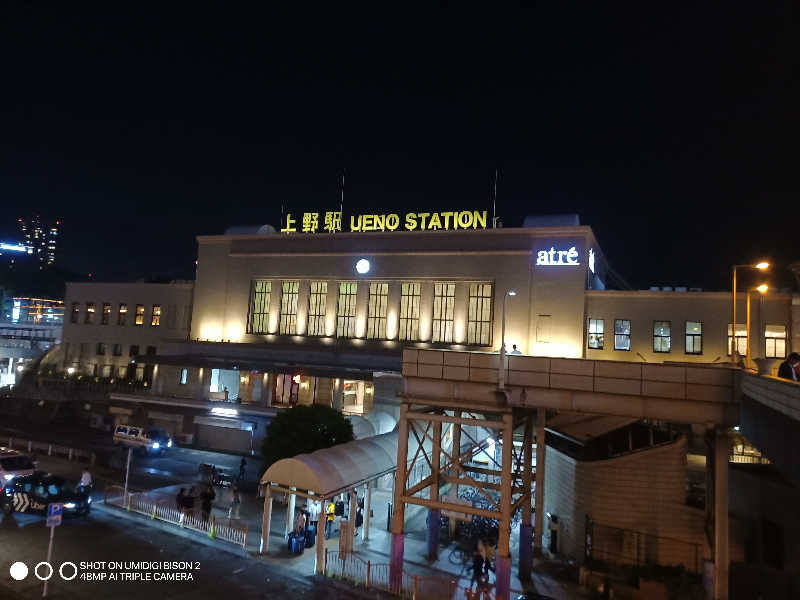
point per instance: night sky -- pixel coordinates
(672, 131)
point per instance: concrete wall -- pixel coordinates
(644, 491)
(80, 339)
(713, 309)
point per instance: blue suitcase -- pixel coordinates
(296, 543)
(310, 537)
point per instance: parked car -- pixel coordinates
(149, 440)
(14, 464)
(32, 493)
(221, 477)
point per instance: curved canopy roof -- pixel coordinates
(333, 470)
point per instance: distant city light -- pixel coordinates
(13, 247)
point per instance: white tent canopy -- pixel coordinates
(334, 470)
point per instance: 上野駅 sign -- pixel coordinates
(331, 221)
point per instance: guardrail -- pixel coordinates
(31, 446)
(355, 569)
(232, 531)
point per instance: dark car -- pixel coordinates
(32, 493)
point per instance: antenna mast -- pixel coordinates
(494, 199)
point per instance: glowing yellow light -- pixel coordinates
(763, 288)
(762, 265)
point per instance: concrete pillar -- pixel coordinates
(367, 510)
(323, 516)
(434, 514)
(525, 527)
(290, 513)
(398, 519)
(721, 558)
(266, 521)
(503, 560)
(454, 472)
(538, 508)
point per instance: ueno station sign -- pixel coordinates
(331, 221)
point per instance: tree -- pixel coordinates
(304, 429)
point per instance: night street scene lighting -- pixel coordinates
(443, 305)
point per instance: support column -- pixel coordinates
(266, 521)
(526, 527)
(434, 513)
(323, 517)
(721, 558)
(538, 507)
(398, 519)
(290, 513)
(367, 510)
(503, 560)
(454, 472)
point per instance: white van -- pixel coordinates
(14, 464)
(146, 439)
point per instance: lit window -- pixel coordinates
(444, 300)
(155, 316)
(741, 339)
(139, 317)
(409, 311)
(259, 307)
(288, 325)
(184, 376)
(376, 313)
(123, 314)
(89, 312)
(662, 336)
(596, 334)
(775, 338)
(479, 314)
(76, 311)
(317, 300)
(694, 337)
(106, 316)
(346, 309)
(622, 334)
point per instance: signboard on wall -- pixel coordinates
(331, 221)
(558, 256)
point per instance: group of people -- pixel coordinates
(331, 514)
(186, 501)
(789, 368)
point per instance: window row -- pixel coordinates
(116, 349)
(479, 310)
(122, 314)
(774, 336)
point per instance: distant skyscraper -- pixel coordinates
(39, 239)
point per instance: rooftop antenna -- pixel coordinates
(494, 199)
(341, 194)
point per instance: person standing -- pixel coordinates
(300, 522)
(236, 501)
(314, 509)
(788, 368)
(330, 515)
(242, 468)
(86, 480)
(206, 499)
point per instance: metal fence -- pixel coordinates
(229, 530)
(417, 587)
(619, 546)
(32, 446)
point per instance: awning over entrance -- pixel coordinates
(333, 470)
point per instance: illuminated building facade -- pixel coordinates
(40, 238)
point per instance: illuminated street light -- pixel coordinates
(762, 289)
(761, 266)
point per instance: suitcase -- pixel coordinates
(310, 537)
(296, 543)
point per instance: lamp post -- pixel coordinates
(761, 266)
(501, 371)
(762, 289)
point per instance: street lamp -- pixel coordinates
(501, 373)
(762, 289)
(761, 266)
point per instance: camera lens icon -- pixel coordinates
(18, 571)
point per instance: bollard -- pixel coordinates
(153, 518)
(180, 521)
(128, 502)
(212, 533)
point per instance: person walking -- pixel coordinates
(788, 368)
(359, 520)
(236, 501)
(330, 515)
(242, 468)
(206, 500)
